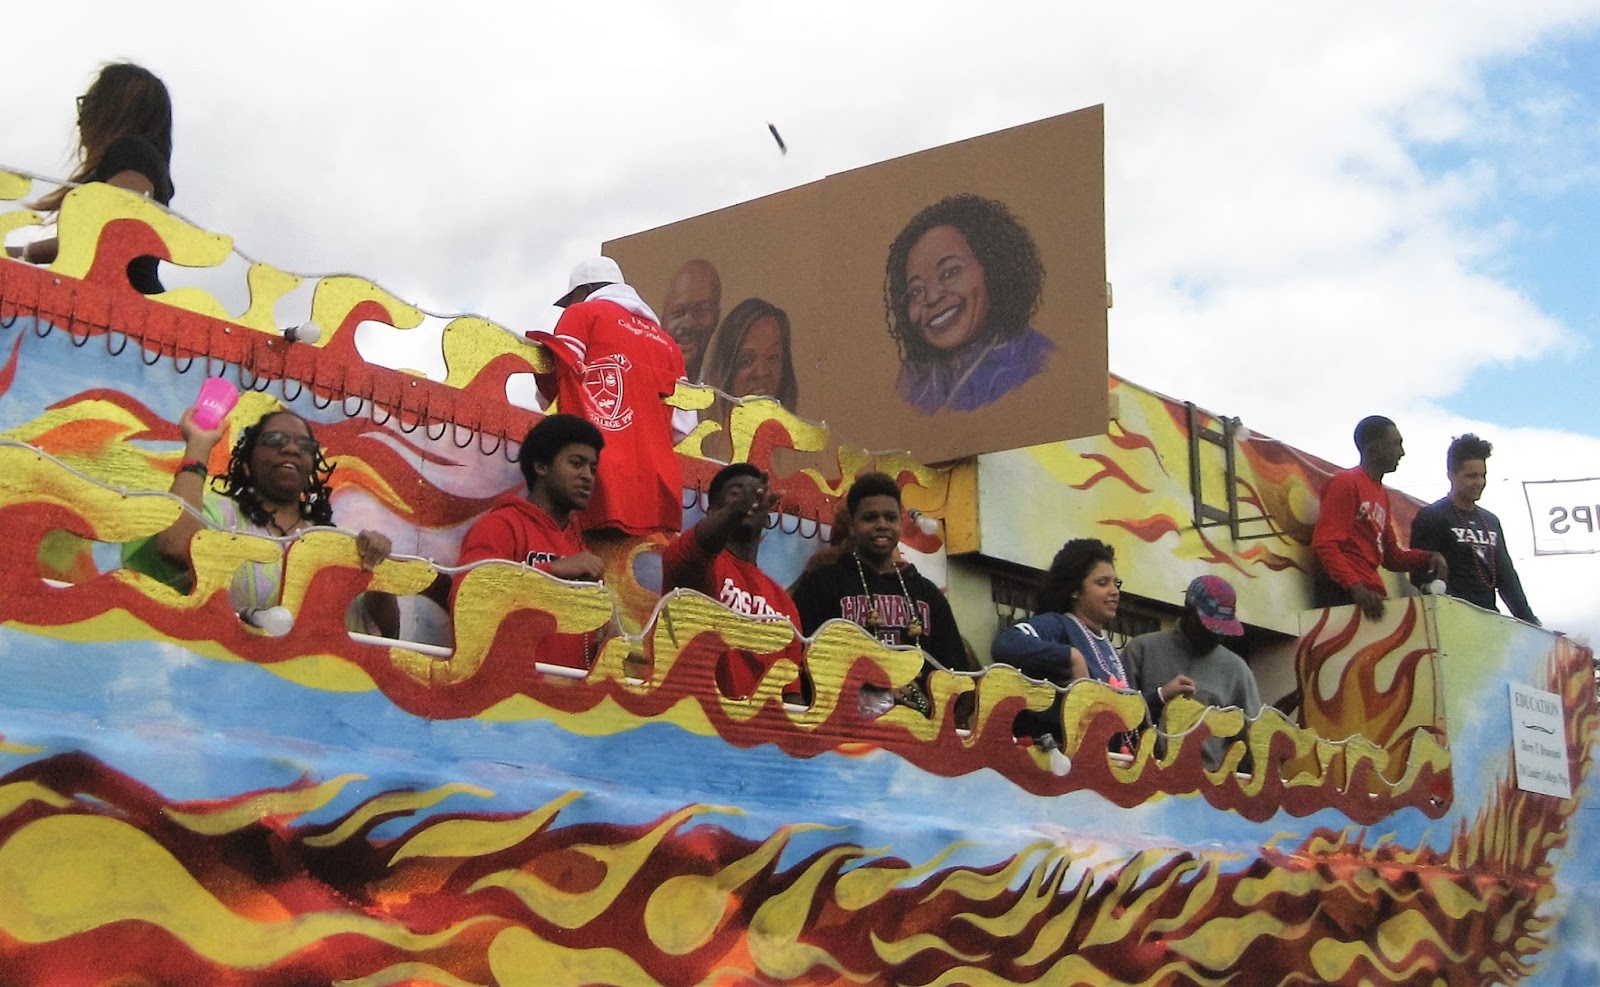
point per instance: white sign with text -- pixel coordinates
(1539, 742)
(1565, 515)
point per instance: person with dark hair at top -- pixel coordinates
(1355, 533)
(1069, 636)
(1469, 537)
(890, 599)
(276, 487)
(124, 139)
(750, 354)
(961, 283)
(614, 365)
(559, 459)
(718, 557)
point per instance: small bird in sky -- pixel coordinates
(777, 137)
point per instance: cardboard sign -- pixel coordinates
(949, 302)
(1539, 741)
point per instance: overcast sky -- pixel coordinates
(1315, 211)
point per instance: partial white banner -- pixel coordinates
(1565, 515)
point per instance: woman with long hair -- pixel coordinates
(276, 487)
(124, 139)
(750, 354)
(1069, 638)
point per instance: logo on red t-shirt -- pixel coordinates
(603, 384)
(743, 601)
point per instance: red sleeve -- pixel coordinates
(1334, 533)
(685, 564)
(780, 598)
(490, 537)
(569, 340)
(1401, 559)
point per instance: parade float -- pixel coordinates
(187, 799)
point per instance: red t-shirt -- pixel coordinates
(614, 369)
(741, 587)
(1355, 533)
(519, 531)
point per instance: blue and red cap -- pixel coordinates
(1213, 600)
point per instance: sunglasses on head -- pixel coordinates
(278, 440)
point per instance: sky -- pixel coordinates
(1315, 211)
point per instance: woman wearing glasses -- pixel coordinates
(124, 139)
(1069, 637)
(276, 486)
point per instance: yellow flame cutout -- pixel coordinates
(487, 594)
(88, 208)
(14, 186)
(471, 343)
(335, 297)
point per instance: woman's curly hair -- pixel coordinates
(1012, 270)
(1068, 570)
(315, 503)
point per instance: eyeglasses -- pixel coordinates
(278, 440)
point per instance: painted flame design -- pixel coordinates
(127, 887)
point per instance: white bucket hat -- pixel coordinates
(592, 270)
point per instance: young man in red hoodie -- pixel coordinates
(1355, 531)
(559, 459)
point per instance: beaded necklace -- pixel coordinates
(875, 616)
(1105, 656)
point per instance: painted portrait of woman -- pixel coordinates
(750, 354)
(962, 282)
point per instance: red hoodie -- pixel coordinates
(519, 531)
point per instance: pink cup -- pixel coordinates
(217, 398)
